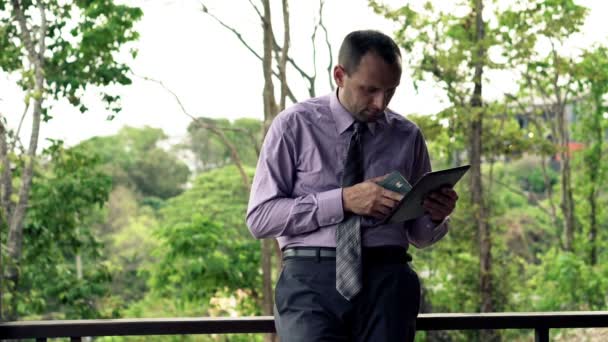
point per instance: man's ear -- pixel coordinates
(339, 74)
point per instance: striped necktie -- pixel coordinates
(349, 279)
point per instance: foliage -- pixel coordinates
(205, 246)
(84, 38)
(67, 188)
(135, 159)
(130, 257)
(571, 283)
(55, 49)
(155, 243)
(210, 152)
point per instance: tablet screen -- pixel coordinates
(410, 206)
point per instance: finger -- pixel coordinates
(383, 211)
(395, 196)
(436, 208)
(377, 179)
(437, 198)
(442, 199)
(388, 202)
(436, 215)
(378, 215)
(450, 193)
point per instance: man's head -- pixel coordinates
(368, 73)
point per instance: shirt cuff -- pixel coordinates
(424, 232)
(439, 230)
(446, 220)
(330, 207)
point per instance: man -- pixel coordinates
(346, 275)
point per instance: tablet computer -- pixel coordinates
(410, 206)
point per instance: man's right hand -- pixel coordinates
(369, 199)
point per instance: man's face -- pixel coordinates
(367, 91)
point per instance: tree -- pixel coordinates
(125, 227)
(548, 76)
(52, 65)
(592, 72)
(60, 273)
(209, 150)
(453, 50)
(277, 56)
(205, 246)
(135, 159)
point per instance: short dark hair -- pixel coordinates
(357, 43)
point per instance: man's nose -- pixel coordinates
(378, 100)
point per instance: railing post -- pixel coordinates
(75, 339)
(41, 339)
(541, 334)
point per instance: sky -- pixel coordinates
(213, 73)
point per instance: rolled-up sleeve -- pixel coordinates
(272, 212)
(423, 232)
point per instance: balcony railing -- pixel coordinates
(541, 322)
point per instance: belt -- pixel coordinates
(386, 254)
(309, 252)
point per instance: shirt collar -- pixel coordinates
(343, 118)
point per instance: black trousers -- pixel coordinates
(309, 308)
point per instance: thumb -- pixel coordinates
(377, 179)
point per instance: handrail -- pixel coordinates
(541, 322)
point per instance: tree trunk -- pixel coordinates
(567, 204)
(594, 169)
(549, 190)
(284, 56)
(475, 151)
(593, 225)
(270, 103)
(15, 233)
(268, 303)
(6, 189)
(546, 179)
(36, 59)
(271, 109)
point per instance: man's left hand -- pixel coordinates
(439, 204)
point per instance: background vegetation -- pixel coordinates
(131, 225)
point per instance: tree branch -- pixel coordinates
(330, 64)
(6, 187)
(521, 193)
(211, 127)
(257, 10)
(16, 138)
(244, 42)
(534, 83)
(284, 50)
(25, 32)
(304, 74)
(231, 29)
(313, 39)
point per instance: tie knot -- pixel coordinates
(359, 127)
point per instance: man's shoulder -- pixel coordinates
(400, 123)
(307, 110)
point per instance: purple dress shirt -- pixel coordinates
(296, 194)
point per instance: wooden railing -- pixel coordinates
(541, 322)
